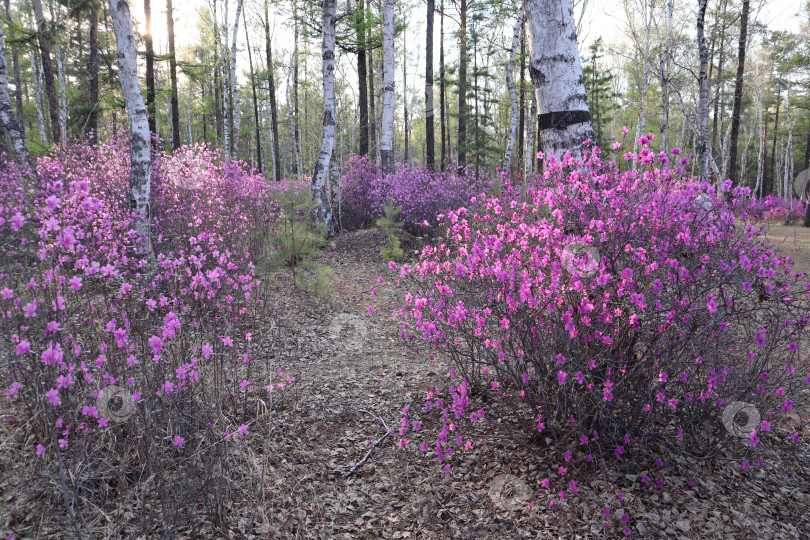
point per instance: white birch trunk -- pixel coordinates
(320, 194)
(60, 74)
(140, 149)
(510, 83)
(703, 111)
(556, 74)
(43, 135)
(8, 118)
(529, 157)
(387, 128)
(237, 116)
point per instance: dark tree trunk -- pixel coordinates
(173, 77)
(430, 137)
(47, 72)
(150, 68)
(462, 86)
(271, 82)
(92, 93)
(256, 122)
(362, 76)
(738, 92)
(442, 85)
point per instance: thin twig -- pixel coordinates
(365, 458)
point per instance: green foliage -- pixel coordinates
(297, 234)
(390, 224)
(598, 85)
(316, 278)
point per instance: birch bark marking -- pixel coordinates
(556, 74)
(387, 136)
(510, 83)
(237, 113)
(703, 114)
(140, 152)
(323, 212)
(8, 118)
(665, 79)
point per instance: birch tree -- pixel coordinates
(387, 134)
(140, 152)
(8, 118)
(510, 83)
(320, 196)
(556, 72)
(664, 71)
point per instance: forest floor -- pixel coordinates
(353, 369)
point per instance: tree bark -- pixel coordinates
(8, 119)
(738, 92)
(387, 135)
(462, 85)
(510, 83)
(406, 139)
(271, 83)
(173, 77)
(703, 113)
(442, 85)
(556, 74)
(256, 122)
(522, 119)
(771, 173)
(47, 70)
(92, 92)
(140, 152)
(320, 195)
(362, 76)
(150, 67)
(372, 108)
(237, 111)
(528, 158)
(430, 136)
(15, 64)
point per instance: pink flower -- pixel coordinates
(207, 350)
(227, 341)
(178, 441)
(243, 429)
(40, 450)
(6, 293)
(370, 309)
(30, 309)
(22, 347)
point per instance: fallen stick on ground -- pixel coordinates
(365, 458)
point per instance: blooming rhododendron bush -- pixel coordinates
(420, 192)
(603, 313)
(133, 377)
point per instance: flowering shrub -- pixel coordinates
(133, 374)
(601, 311)
(774, 208)
(420, 192)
